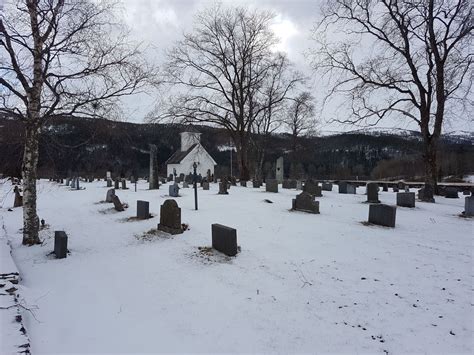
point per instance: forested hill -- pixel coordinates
(91, 147)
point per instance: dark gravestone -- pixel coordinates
(385, 187)
(469, 206)
(117, 203)
(466, 192)
(271, 185)
(257, 183)
(182, 176)
(342, 187)
(395, 189)
(313, 188)
(351, 189)
(372, 193)
(406, 199)
(117, 184)
(326, 186)
(109, 183)
(401, 185)
(233, 181)
(451, 192)
(223, 188)
(205, 185)
(143, 209)
(382, 215)
(124, 184)
(170, 218)
(286, 184)
(110, 195)
(18, 201)
(174, 190)
(305, 202)
(60, 244)
(299, 185)
(224, 239)
(243, 183)
(426, 194)
(170, 177)
(68, 180)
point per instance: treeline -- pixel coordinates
(88, 147)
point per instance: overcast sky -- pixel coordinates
(159, 23)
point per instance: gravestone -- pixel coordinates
(271, 185)
(401, 185)
(182, 176)
(77, 184)
(224, 239)
(223, 188)
(351, 189)
(153, 182)
(60, 244)
(124, 184)
(185, 185)
(233, 181)
(469, 206)
(313, 188)
(299, 185)
(18, 201)
(257, 183)
(110, 195)
(466, 192)
(406, 199)
(326, 186)
(372, 192)
(108, 175)
(305, 202)
(279, 172)
(382, 215)
(451, 192)
(117, 203)
(395, 189)
(117, 184)
(68, 180)
(407, 188)
(205, 185)
(286, 184)
(174, 190)
(342, 187)
(170, 177)
(109, 183)
(426, 194)
(170, 218)
(243, 183)
(143, 209)
(73, 183)
(385, 187)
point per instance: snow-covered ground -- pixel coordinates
(302, 282)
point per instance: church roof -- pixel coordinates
(178, 156)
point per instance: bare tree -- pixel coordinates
(60, 58)
(221, 66)
(408, 59)
(300, 118)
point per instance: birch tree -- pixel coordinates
(61, 58)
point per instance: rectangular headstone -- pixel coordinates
(174, 190)
(60, 244)
(469, 206)
(143, 209)
(326, 186)
(342, 187)
(271, 185)
(224, 239)
(372, 192)
(351, 189)
(382, 215)
(451, 192)
(305, 202)
(205, 185)
(406, 199)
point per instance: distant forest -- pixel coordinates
(85, 147)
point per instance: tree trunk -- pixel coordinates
(30, 163)
(242, 157)
(430, 162)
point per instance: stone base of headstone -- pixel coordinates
(406, 199)
(60, 244)
(271, 185)
(305, 202)
(224, 239)
(382, 215)
(143, 209)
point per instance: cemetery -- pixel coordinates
(236, 177)
(96, 275)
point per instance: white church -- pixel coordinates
(181, 162)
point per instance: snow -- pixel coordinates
(302, 282)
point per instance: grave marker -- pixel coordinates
(406, 199)
(305, 202)
(60, 244)
(224, 239)
(372, 192)
(170, 218)
(143, 209)
(382, 215)
(271, 185)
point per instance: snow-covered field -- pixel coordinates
(302, 282)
